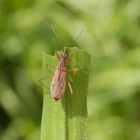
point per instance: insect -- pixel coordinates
(59, 80)
(58, 84)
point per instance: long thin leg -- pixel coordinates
(57, 56)
(41, 82)
(71, 91)
(42, 79)
(50, 66)
(69, 59)
(74, 70)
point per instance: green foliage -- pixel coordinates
(110, 34)
(66, 118)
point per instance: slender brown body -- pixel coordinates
(58, 85)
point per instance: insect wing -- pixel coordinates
(58, 84)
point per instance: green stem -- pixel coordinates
(66, 118)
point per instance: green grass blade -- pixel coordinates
(66, 118)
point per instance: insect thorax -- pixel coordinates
(62, 66)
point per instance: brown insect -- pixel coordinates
(58, 84)
(59, 80)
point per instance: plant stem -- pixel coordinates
(66, 118)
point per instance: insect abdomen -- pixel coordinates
(58, 84)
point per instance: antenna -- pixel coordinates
(75, 39)
(57, 36)
(61, 41)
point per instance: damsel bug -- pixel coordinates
(58, 84)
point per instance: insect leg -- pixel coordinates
(57, 56)
(41, 82)
(50, 66)
(42, 79)
(74, 70)
(69, 59)
(71, 91)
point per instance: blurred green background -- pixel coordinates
(111, 34)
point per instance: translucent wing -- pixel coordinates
(58, 85)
